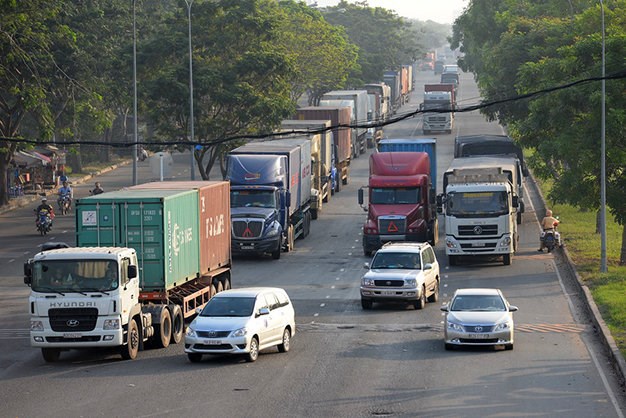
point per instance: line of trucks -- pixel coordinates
(482, 200)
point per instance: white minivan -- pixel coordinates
(242, 321)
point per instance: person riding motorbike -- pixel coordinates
(65, 192)
(97, 190)
(44, 206)
(548, 223)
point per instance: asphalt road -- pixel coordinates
(344, 362)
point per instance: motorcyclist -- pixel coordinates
(548, 223)
(65, 191)
(97, 190)
(45, 206)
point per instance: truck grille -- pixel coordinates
(247, 229)
(388, 283)
(392, 226)
(73, 319)
(478, 230)
(83, 339)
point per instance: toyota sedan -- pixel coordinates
(479, 317)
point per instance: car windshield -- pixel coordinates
(229, 306)
(478, 303)
(386, 260)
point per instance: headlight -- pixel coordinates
(241, 332)
(502, 326)
(367, 282)
(412, 283)
(455, 327)
(191, 332)
(36, 326)
(450, 243)
(506, 241)
(110, 324)
(272, 232)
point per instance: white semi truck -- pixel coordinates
(480, 211)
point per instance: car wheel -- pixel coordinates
(508, 347)
(194, 357)
(366, 304)
(421, 302)
(254, 351)
(449, 347)
(131, 348)
(50, 355)
(284, 347)
(435, 296)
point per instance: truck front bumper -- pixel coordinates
(375, 242)
(495, 246)
(97, 337)
(241, 247)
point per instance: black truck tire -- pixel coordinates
(130, 349)
(50, 355)
(178, 324)
(163, 329)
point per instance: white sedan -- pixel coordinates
(479, 317)
(242, 321)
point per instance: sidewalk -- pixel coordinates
(29, 199)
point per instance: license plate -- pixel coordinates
(388, 292)
(72, 335)
(212, 342)
(478, 244)
(478, 336)
(247, 247)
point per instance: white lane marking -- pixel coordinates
(591, 353)
(322, 305)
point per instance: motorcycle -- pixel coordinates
(65, 204)
(551, 238)
(43, 222)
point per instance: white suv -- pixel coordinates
(403, 272)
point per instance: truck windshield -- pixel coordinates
(65, 276)
(395, 196)
(481, 204)
(436, 104)
(252, 198)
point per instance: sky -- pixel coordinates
(440, 11)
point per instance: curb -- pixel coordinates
(616, 357)
(27, 200)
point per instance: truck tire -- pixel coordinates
(178, 324)
(50, 355)
(276, 253)
(219, 286)
(452, 260)
(131, 347)
(519, 218)
(338, 184)
(163, 329)
(290, 239)
(227, 280)
(506, 259)
(434, 233)
(313, 213)
(306, 225)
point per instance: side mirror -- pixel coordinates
(513, 308)
(366, 266)
(440, 200)
(287, 199)
(360, 195)
(28, 272)
(444, 308)
(132, 271)
(263, 311)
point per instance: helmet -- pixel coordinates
(44, 199)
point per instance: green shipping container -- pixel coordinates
(161, 225)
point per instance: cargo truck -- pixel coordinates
(342, 136)
(480, 214)
(443, 102)
(323, 170)
(509, 165)
(270, 195)
(427, 145)
(384, 92)
(145, 261)
(401, 205)
(394, 80)
(488, 144)
(360, 105)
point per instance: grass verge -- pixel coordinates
(578, 228)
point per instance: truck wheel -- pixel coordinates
(254, 350)
(338, 184)
(452, 260)
(284, 346)
(344, 181)
(178, 324)
(130, 349)
(366, 252)
(212, 291)
(307, 225)
(227, 281)
(290, 239)
(519, 218)
(313, 213)
(506, 259)
(194, 357)
(276, 254)
(163, 329)
(50, 355)
(434, 233)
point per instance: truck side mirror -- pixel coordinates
(360, 196)
(132, 271)
(28, 272)
(287, 199)
(440, 203)
(515, 201)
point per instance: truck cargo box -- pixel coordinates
(338, 116)
(214, 218)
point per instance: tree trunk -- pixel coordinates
(4, 192)
(622, 254)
